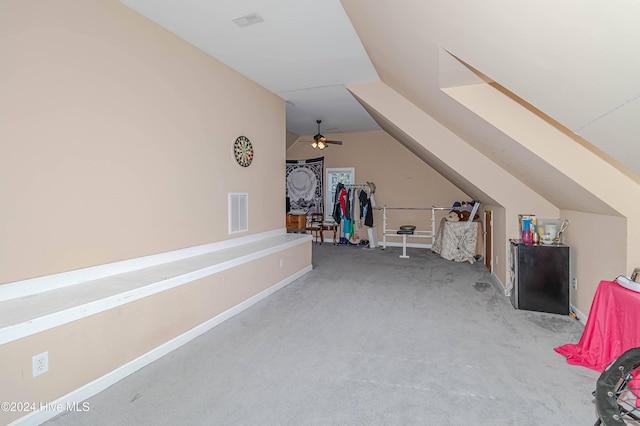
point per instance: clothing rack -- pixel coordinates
(369, 187)
(418, 233)
(356, 185)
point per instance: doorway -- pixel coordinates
(488, 239)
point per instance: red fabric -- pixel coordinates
(343, 202)
(613, 327)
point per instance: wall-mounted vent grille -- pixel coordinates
(238, 212)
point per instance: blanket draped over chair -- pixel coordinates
(448, 237)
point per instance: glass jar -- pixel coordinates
(536, 238)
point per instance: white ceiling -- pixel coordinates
(576, 64)
(305, 51)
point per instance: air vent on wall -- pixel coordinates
(238, 212)
(250, 19)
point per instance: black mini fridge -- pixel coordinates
(540, 277)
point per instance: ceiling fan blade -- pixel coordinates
(320, 141)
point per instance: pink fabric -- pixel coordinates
(613, 327)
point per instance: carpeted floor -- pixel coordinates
(366, 338)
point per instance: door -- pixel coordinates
(488, 240)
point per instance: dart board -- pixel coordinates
(243, 151)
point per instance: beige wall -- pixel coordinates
(83, 351)
(290, 138)
(605, 204)
(116, 142)
(609, 191)
(596, 254)
(117, 139)
(401, 178)
(466, 166)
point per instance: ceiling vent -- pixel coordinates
(250, 19)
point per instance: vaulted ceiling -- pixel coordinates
(573, 64)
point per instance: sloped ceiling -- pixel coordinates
(444, 169)
(574, 62)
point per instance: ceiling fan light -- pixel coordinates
(314, 144)
(321, 145)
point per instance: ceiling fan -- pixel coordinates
(320, 142)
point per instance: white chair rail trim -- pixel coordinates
(16, 324)
(37, 285)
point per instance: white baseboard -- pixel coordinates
(498, 283)
(580, 316)
(76, 397)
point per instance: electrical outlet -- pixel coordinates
(496, 260)
(40, 363)
(281, 263)
(574, 283)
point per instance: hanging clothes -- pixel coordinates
(347, 204)
(337, 213)
(353, 203)
(342, 197)
(362, 197)
(369, 204)
(368, 219)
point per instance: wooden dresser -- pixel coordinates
(296, 222)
